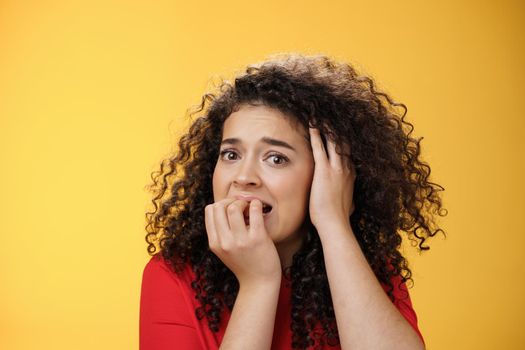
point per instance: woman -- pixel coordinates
(278, 220)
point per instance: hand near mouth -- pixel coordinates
(247, 250)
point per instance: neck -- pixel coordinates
(287, 249)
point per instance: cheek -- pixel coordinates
(303, 187)
(294, 193)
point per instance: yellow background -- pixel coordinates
(93, 94)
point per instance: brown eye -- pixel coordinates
(278, 159)
(228, 155)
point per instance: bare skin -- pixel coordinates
(262, 157)
(368, 320)
(242, 250)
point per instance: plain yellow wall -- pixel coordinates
(93, 94)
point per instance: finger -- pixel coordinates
(317, 146)
(333, 157)
(256, 218)
(213, 240)
(236, 217)
(353, 173)
(347, 154)
(219, 216)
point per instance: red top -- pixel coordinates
(168, 303)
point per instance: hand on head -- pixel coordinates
(331, 195)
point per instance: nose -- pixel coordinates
(247, 174)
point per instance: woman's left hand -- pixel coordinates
(331, 196)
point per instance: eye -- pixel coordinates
(278, 159)
(228, 155)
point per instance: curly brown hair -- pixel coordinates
(392, 191)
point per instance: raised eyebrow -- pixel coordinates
(267, 140)
(279, 143)
(230, 141)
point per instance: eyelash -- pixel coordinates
(284, 158)
(225, 152)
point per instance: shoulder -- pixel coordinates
(164, 291)
(160, 272)
(158, 265)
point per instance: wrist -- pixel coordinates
(333, 224)
(333, 229)
(266, 284)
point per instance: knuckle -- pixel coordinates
(243, 245)
(226, 247)
(232, 208)
(338, 170)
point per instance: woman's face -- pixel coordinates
(263, 155)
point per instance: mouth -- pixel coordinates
(267, 209)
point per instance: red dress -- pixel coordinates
(167, 312)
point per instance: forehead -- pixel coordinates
(254, 122)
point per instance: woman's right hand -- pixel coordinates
(248, 251)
